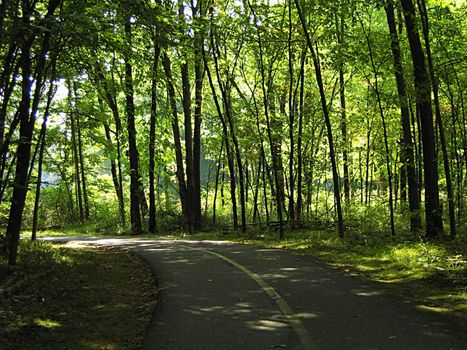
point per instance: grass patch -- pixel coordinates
(84, 297)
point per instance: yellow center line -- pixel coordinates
(294, 320)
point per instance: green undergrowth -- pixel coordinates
(432, 274)
(86, 229)
(78, 297)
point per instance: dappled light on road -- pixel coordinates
(260, 298)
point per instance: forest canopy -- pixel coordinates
(147, 116)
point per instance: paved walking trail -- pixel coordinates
(223, 296)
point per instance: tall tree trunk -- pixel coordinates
(152, 139)
(217, 183)
(383, 121)
(81, 158)
(230, 160)
(135, 187)
(110, 99)
(42, 143)
(292, 102)
(275, 160)
(186, 102)
(199, 74)
(7, 84)
(299, 210)
(114, 173)
(198, 12)
(27, 120)
(407, 146)
(345, 158)
(225, 93)
(176, 131)
(439, 120)
(319, 80)
(434, 221)
(77, 176)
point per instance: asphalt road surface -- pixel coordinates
(218, 295)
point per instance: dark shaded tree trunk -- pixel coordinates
(199, 75)
(198, 13)
(152, 139)
(27, 120)
(11, 66)
(292, 104)
(76, 163)
(135, 186)
(407, 146)
(434, 222)
(186, 102)
(439, 120)
(176, 131)
(299, 210)
(345, 158)
(217, 183)
(42, 142)
(81, 158)
(114, 173)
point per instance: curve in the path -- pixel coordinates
(291, 315)
(218, 295)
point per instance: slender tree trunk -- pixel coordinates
(114, 173)
(77, 176)
(217, 183)
(439, 120)
(256, 212)
(42, 143)
(81, 158)
(198, 12)
(5, 149)
(275, 161)
(434, 222)
(8, 78)
(383, 120)
(225, 92)
(299, 210)
(152, 139)
(407, 146)
(345, 158)
(186, 102)
(176, 132)
(135, 186)
(109, 97)
(291, 106)
(199, 74)
(225, 132)
(319, 79)
(27, 121)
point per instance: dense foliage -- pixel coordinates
(145, 115)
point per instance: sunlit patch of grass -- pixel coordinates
(433, 308)
(47, 323)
